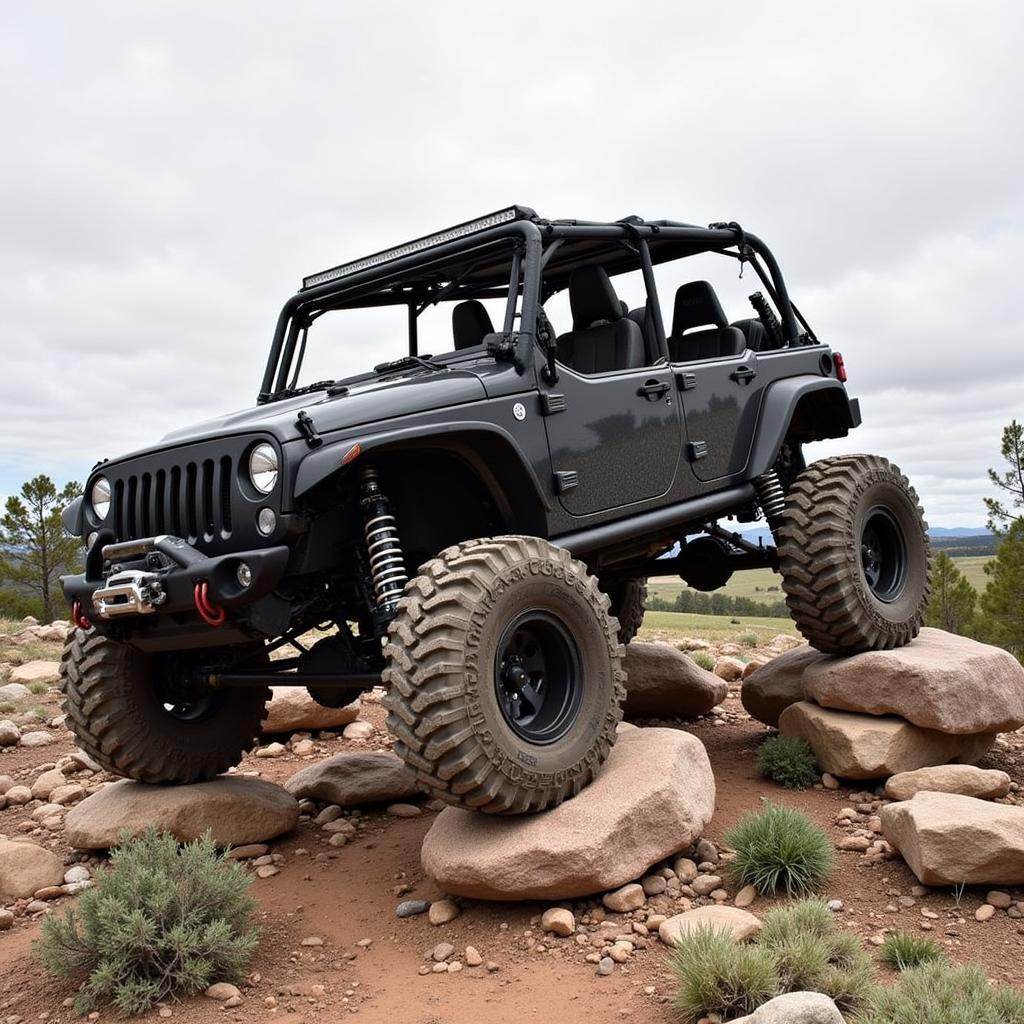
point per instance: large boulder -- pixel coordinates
(653, 798)
(940, 681)
(292, 709)
(948, 839)
(663, 682)
(795, 1008)
(47, 672)
(25, 868)
(965, 779)
(741, 925)
(237, 809)
(353, 779)
(853, 746)
(770, 689)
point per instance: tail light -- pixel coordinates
(837, 358)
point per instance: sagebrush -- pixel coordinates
(788, 761)
(164, 919)
(702, 658)
(779, 848)
(902, 950)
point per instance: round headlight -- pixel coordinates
(263, 467)
(99, 497)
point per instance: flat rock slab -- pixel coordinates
(47, 672)
(948, 839)
(292, 709)
(965, 779)
(654, 797)
(740, 924)
(237, 811)
(26, 868)
(853, 746)
(795, 1008)
(664, 683)
(354, 779)
(939, 681)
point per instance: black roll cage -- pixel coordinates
(540, 249)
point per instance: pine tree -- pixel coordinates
(1011, 480)
(1002, 603)
(953, 600)
(36, 550)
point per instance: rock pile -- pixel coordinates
(654, 797)
(941, 698)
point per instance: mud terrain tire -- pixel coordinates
(854, 555)
(629, 602)
(116, 715)
(504, 675)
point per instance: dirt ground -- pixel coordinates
(344, 895)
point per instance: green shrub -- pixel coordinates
(936, 993)
(162, 920)
(901, 951)
(789, 761)
(705, 660)
(780, 848)
(748, 639)
(718, 975)
(38, 688)
(800, 948)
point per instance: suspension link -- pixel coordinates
(383, 545)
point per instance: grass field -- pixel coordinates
(675, 625)
(754, 583)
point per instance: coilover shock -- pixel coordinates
(383, 547)
(771, 497)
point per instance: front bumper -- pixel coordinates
(161, 575)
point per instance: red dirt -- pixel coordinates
(350, 896)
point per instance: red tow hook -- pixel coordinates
(77, 618)
(211, 614)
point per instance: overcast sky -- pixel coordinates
(171, 170)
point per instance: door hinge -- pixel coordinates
(566, 480)
(696, 450)
(686, 381)
(552, 402)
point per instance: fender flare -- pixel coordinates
(837, 414)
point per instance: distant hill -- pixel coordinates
(956, 541)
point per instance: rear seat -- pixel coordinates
(697, 305)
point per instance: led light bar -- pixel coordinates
(471, 227)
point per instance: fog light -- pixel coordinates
(266, 521)
(91, 539)
(244, 575)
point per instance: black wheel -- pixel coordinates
(629, 602)
(504, 675)
(854, 555)
(128, 714)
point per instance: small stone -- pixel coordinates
(358, 731)
(745, 897)
(267, 871)
(312, 940)
(441, 952)
(248, 851)
(304, 747)
(272, 750)
(619, 954)
(835, 906)
(999, 900)
(654, 885)
(473, 957)
(492, 967)
(854, 844)
(165, 1011)
(829, 781)
(330, 813)
(558, 920)
(443, 911)
(622, 901)
(231, 1002)
(221, 991)
(37, 739)
(705, 885)
(455, 966)
(410, 908)
(6, 920)
(440, 968)
(77, 873)
(985, 912)
(685, 869)
(605, 966)
(403, 810)
(706, 851)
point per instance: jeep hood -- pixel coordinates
(366, 400)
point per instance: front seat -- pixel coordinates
(603, 338)
(697, 305)
(471, 323)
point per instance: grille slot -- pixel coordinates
(192, 501)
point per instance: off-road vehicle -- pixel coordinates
(473, 529)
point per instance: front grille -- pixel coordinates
(191, 500)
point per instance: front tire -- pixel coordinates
(854, 555)
(505, 675)
(120, 719)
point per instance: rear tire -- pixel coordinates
(628, 604)
(119, 719)
(854, 555)
(504, 675)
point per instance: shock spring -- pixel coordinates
(383, 546)
(771, 496)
